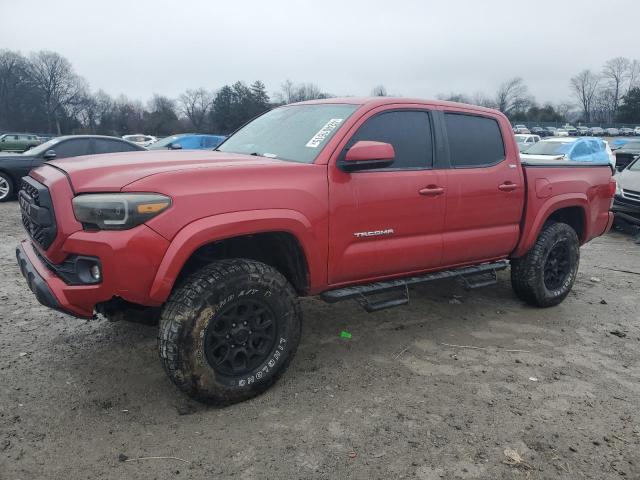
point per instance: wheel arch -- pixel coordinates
(280, 238)
(568, 208)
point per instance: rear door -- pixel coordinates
(389, 220)
(485, 191)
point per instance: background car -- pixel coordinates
(525, 141)
(583, 131)
(561, 132)
(540, 131)
(188, 141)
(585, 149)
(14, 167)
(626, 154)
(18, 142)
(551, 131)
(520, 128)
(596, 131)
(140, 139)
(636, 131)
(611, 131)
(626, 131)
(571, 130)
(626, 203)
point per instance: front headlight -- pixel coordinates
(618, 188)
(118, 211)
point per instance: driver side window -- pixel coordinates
(408, 131)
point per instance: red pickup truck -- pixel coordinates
(346, 198)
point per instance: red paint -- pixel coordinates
(439, 218)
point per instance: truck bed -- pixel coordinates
(557, 185)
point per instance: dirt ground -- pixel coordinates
(397, 400)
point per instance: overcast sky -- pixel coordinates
(414, 48)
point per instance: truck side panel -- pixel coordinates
(551, 188)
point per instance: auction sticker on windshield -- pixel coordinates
(324, 132)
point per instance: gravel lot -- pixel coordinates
(394, 401)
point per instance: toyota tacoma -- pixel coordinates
(342, 198)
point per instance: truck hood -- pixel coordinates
(112, 172)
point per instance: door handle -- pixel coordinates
(431, 190)
(507, 187)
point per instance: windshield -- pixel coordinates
(635, 166)
(295, 132)
(164, 143)
(43, 147)
(549, 148)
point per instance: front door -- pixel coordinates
(387, 221)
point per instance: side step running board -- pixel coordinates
(361, 292)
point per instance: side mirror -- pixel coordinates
(175, 146)
(49, 155)
(367, 155)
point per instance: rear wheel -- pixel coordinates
(6, 187)
(545, 275)
(229, 331)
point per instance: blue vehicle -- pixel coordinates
(584, 149)
(188, 141)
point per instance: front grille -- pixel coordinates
(631, 194)
(36, 207)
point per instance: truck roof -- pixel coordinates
(380, 101)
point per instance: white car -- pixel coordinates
(636, 131)
(521, 129)
(561, 132)
(525, 141)
(140, 139)
(582, 149)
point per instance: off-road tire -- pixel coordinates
(528, 272)
(201, 303)
(11, 188)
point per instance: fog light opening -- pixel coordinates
(95, 272)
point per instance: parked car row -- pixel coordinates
(581, 131)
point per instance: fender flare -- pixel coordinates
(228, 225)
(552, 205)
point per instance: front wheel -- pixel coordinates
(229, 331)
(545, 275)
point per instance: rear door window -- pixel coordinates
(408, 131)
(105, 145)
(474, 141)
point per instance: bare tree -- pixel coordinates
(513, 95)
(195, 105)
(585, 86)
(60, 87)
(634, 75)
(604, 105)
(301, 92)
(616, 72)
(379, 91)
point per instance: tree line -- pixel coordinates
(606, 96)
(42, 93)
